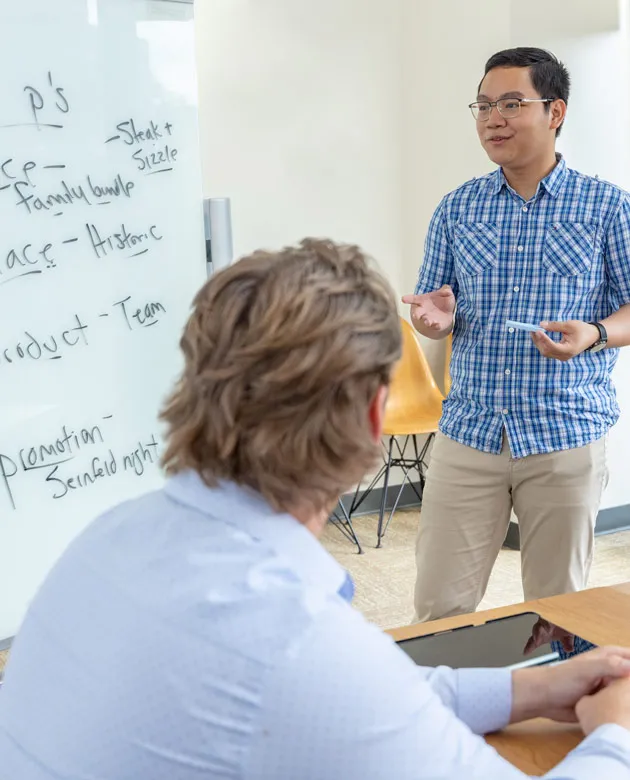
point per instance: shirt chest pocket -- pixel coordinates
(476, 247)
(569, 248)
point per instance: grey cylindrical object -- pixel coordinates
(219, 221)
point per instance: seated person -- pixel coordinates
(202, 631)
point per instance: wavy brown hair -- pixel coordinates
(284, 353)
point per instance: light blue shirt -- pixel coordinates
(194, 634)
(562, 255)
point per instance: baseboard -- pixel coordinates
(513, 538)
(609, 521)
(372, 503)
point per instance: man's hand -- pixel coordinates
(576, 337)
(544, 632)
(609, 705)
(432, 313)
(554, 691)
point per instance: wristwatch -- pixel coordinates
(601, 341)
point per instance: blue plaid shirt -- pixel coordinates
(563, 255)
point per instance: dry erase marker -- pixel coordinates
(523, 326)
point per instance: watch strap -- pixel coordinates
(603, 335)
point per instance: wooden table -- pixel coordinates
(600, 615)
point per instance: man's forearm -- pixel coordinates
(529, 695)
(618, 327)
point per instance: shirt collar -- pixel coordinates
(552, 182)
(247, 510)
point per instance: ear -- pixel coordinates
(376, 412)
(557, 114)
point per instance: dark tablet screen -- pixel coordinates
(497, 643)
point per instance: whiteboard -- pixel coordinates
(101, 251)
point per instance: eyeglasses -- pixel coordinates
(507, 107)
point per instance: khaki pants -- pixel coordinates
(466, 508)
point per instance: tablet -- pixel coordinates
(497, 643)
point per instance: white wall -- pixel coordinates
(567, 18)
(301, 120)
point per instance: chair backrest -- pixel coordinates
(447, 364)
(413, 386)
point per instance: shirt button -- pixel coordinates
(505, 411)
(520, 248)
(525, 209)
(511, 330)
(507, 372)
(517, 288)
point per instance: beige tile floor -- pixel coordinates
(384, 578)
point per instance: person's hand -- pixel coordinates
(432, 310)
(554, 691)
(609, 705)
(544, 632)
(576, 337)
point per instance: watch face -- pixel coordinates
(598, 347)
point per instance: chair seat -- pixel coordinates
(405, 419)
(408, 426)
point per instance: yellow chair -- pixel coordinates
(414, 408)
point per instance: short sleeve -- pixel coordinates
(438, 267)
(617, 253)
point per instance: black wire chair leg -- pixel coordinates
(421, 455)
(356, 501)
(394, 507)
(407, 464)
(347, 529)
(384, 496)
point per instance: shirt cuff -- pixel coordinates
(604, 754)
(484, 698)
(613, 735)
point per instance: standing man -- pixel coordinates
(525, 424)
